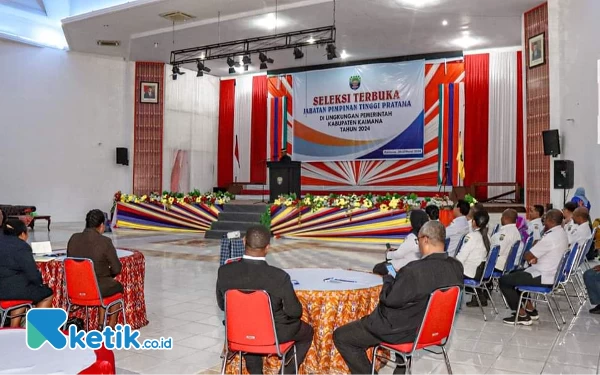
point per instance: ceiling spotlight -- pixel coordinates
(202, 68)
(298, 54)
(246, 60)
(344, 55)
(264, 58)
(231, 62)
(176, 70)
(331, 54)
(445, 23)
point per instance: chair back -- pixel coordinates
(233, 260)
(526, 248)
(81, 284)
(249, 320)
(575, 251)
(446, 244)
(561, 269)
(580, 259)
(496, 229)
(460, 244)
(490, 264)
(512, 256)
(439, 317)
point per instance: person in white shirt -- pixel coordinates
(535, 225)
(474, 251)
(544, 259)
(459, 226)
(506, 237)
(409, 249)
(580, 229)
(567, 211)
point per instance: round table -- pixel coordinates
(131, 276)
(330, 298)
(17, 358)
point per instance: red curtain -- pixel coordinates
(477, 75)
(225, 145)
(258, 142)
(520, 146)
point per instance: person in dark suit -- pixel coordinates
(253, 273)
(20, 278)
(284, 156)
(91, 244)
(402, 302)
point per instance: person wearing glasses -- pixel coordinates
(402, 302)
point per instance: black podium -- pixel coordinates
(284, 178)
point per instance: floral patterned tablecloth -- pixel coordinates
(132, 278)
(325, 311)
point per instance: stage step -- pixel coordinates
(236, 216)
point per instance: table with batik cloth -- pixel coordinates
(326, 306)
(131, 276)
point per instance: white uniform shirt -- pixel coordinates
(472, 253)
(455, 231)
(536, 227)
(506, 237)
(549, 252)
(406, 253)
(579, 234)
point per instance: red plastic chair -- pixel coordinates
(233, 260)
(10, 305)
(82, 290)
(435, 328)
(250, 328)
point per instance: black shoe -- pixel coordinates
(473, 302)
(523, 320)
(595, 310)
(533, 314)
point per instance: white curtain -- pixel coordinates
(242, 122)
(190, 132)
(502, 136)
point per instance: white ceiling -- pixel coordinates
(365, 28)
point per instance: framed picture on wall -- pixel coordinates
(149, 92)
(537, 50)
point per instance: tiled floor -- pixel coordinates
(180, 281)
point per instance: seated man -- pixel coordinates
(567, 211)
(408, 250)
(459, 226)
(253, 273)
(544, 259)
(402, 302)
(580, 229)
(536, 226)
(91, 244)
(506, 237)
(591, 278)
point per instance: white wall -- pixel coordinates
(61, 117)
(574, 53)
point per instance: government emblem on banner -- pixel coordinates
(354, 82)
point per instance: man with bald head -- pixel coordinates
(402, 302)
(506, 237)
(253, 273)
(581, 230)
(544, 259)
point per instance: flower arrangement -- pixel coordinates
(384, 202)
(168, 198)
(443, 202)
(470, 200)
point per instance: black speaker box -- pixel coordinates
(564, 177)
(551, 142)
(122, 156)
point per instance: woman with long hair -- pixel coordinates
(20, 278)
(475, 249)
(409, 249)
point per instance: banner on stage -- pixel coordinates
(365, 112)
